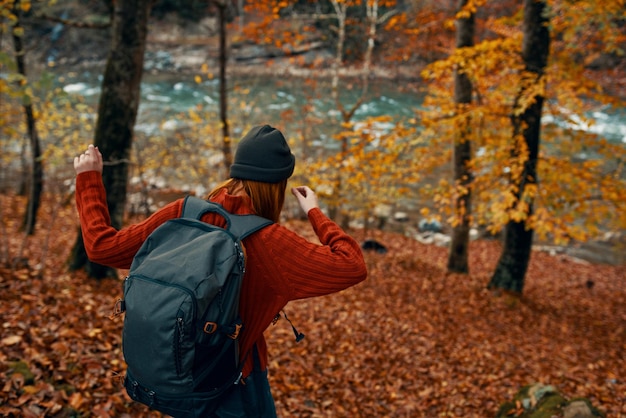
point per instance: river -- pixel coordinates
(262, 100)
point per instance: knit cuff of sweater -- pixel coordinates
(86, 179)
(315, 214)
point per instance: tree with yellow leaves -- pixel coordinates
(14, 10)
(573, 186)
(367, 165)
(457, 258)
(526, 121)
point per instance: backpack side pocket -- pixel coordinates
(163, 356)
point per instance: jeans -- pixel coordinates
(250, 398)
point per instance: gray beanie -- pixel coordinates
(263, 155)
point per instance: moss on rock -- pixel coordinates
(544, 401)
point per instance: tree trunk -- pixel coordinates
(36, 176)
(226, 148)
(340, 11)
(458, 255)
(117, 113)
(513, 262)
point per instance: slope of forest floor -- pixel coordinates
(410, 341)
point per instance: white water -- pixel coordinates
(263, 101)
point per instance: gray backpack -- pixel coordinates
(181, 303)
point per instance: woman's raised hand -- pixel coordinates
(306, 198)
(90, 160)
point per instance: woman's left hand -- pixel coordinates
(90, 160)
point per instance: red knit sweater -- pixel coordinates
(281, 265)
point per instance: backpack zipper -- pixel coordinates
(178, 342)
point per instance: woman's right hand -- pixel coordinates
(90, 160)
(306, 198)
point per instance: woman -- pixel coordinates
(281, 265)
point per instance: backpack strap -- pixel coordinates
(240, 226)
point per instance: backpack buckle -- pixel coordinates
(235, 333)
(118, 309)
(210, 327)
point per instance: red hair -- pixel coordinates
(267, 198)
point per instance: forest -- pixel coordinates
(478, 198)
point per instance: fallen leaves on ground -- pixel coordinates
(410, 341)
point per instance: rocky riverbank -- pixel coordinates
(177, 47)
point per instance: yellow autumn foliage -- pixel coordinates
(581, 185)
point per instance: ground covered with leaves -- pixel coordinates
(411, 341)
